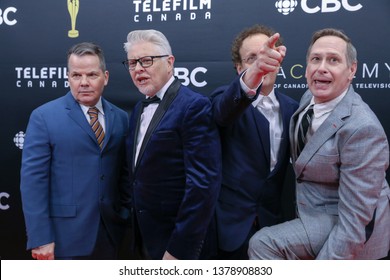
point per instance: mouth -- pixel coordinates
(142, 80)
(84, 92)
(320, 82)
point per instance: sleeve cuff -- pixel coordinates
(250, 92)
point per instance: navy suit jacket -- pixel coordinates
(68, 184)
(249, 189)
(177, 177)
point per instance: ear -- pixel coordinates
(352, 70)
(171, 61)
(239, 68)
(106, 76)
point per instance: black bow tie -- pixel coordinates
(148, 101)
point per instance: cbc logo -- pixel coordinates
(7, 16)
(19, 139)
(3, 204)
(327, 6)
(188, 77)
(286, 6)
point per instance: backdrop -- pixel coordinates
(35, 36)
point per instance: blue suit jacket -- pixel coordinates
(177, 178)
(248, 189)
(68, 183)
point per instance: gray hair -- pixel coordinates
(152, 36)
(351, 54)
(87, 48)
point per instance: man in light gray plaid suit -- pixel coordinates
(343, 199)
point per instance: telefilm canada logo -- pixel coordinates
(171, 10)
(41, 77)
(286, 7)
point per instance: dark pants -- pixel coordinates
(241, 253)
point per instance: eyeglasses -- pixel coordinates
(250, 59)
(145, 61)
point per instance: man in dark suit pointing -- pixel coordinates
(253, 118)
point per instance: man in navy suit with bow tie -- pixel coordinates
(174, 154)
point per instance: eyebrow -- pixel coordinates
(87, 73)
(324, 53)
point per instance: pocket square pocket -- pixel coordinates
(57, 210)
(166, 134)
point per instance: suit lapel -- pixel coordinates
(109, 119)
(286, 110)
(294, 119)
(76, 114)
(138, 113)
(262, 122)
(169, 96)
(262, 126)
(327, 129)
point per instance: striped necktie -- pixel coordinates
(96, 126)
(303, 128)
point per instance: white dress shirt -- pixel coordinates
(147, 116)
(269, 106)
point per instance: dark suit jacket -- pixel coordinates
(68, 184)
(177, 178)
(248, 189)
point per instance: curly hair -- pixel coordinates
(250, 31)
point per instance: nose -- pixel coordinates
(84, 80)
(322, 66)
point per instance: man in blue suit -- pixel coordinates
(174, 154)
(253, 120)
(74, 183)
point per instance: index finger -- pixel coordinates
(272, 40)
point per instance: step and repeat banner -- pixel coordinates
(35, 36)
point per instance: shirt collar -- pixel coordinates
(271, 95)
(99, 106)
(326, 107)
(160, 94)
